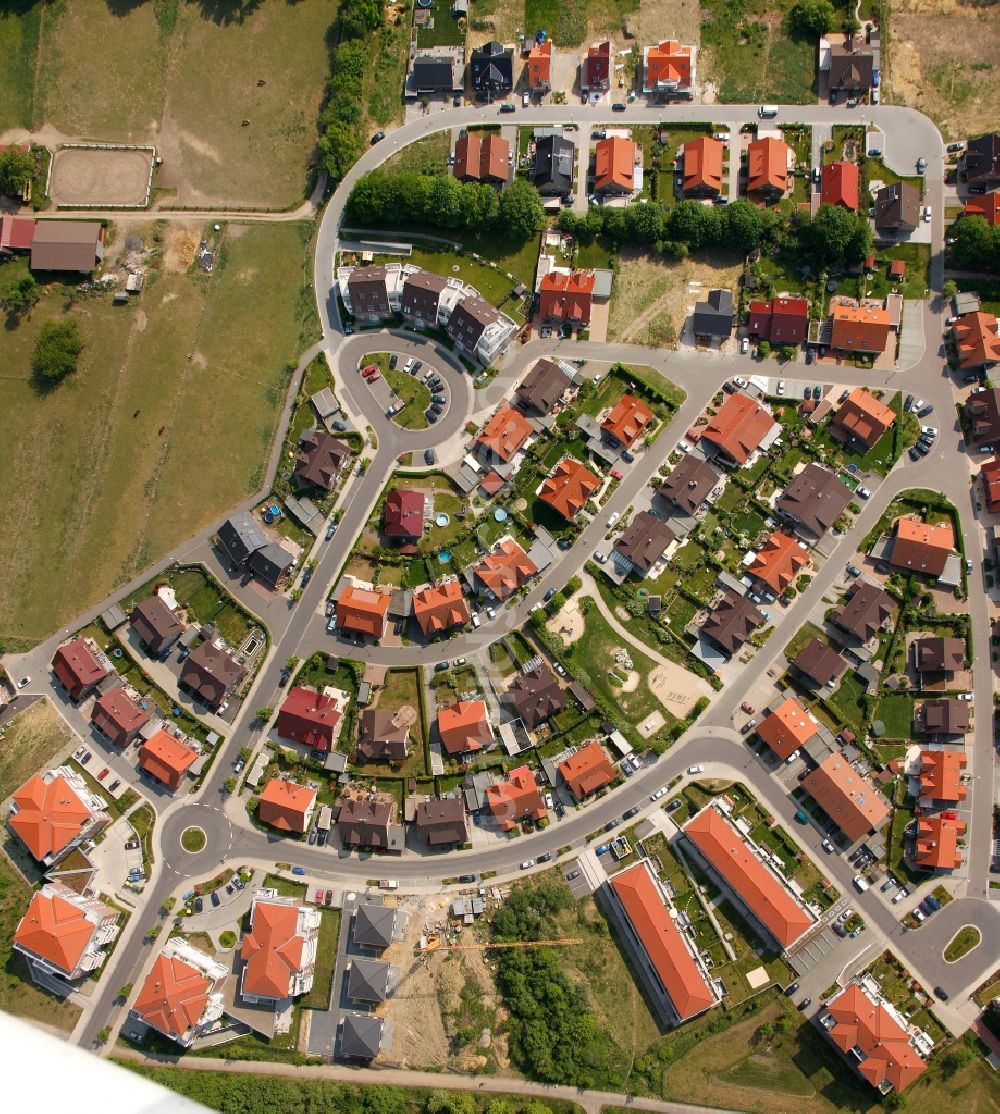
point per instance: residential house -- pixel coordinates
(731, 623)
(491, 69)
(67, 245)
(977, 345)
(739, 428)
(852, 67)
(181, 996)
(166, 759)
(365, 291)
(982, 412)
(310, 717)
(614, 166)
(568, 487)
(240, 536)
(368, 820)
(404, 514)
(464, 726)
(515, 799)
(482, 157)
(943, 718)
(441, 821)
(368, 980)
(426, 298)
(820, 665)
(847, 798)
(384, 736)
(53, 812)
(320, 461)
(987, 207)
(787, 728)
(782, 320)
(479, 329)
(990, 476)
(118, 717)
(504, 569)
(542, 389)
(873, 1038)
(779, 561)
(552, 172)
(940, 778)
(919, 547)
(642, 543)
(16, 234)
(667, 68)
(536, 696)
(689, 485)
(362, 611)
(595, 68)
(937, 844)
(376, 926)
(279, 950)
(587, 770)
(813, 502)
(440, 608)
(627, 421)
(861, 420)
(155, 624)
(863, 329)
(867, 610)
(64, 933)
(767, 168)
(980, 162)
(504, 435)
(79, 667)
(538, 67)
(714, 317)
(287, 806)
(566, 298)
(702, 161)
(211, 674)
(272, 565)
(361, 1037)
(435, 73)
(897, 209)
(935, 655)
(839, 182)
(759, 889)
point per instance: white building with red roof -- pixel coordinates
(64, 933)
(279, 951)
(54, 812)
(181, 997)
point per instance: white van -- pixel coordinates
(860, 884)
(766, 111)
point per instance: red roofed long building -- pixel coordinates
(166, 759)
(439, 608)
(505, 434)
(936, 846)
(941, 776)
(850, 800)
(515, 799)
(779, 321)
(505, 569)
(310, 717)
(839, 185)
(566, 298)
(362, 610)
(614, 166)
(738, 428)
(990, 476)
(703, 159)
(279, 951)
(482, 158)
(778, 561)
(118, 717)
(627, 421)
(464, 726)
(403, 516)
(787, 728)
(987, 207)
(286, 805)
(761, 892)
(64, 933)
(872, 1039)
(595, 68)
(767, 168)
(54, 812)
(78, 668)
(859, 329)
(568, 487)
(16, 234)
(587, 771)
(670, 960)
(181, 996)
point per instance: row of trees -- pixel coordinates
(16, 168)
(380, 198)
(976, 245)
(811, 18)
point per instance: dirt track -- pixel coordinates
(89, 176)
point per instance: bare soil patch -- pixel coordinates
(31, 740)
(567, 624)
(677, 689)
(84, 176)
(180, 243)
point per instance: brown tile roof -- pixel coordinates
(851, 801)
(596, 66)
(627, 420)
(464, 726)
(839, 185)
(767, 166)
(937, 843)
(77, 667)
(441, 821)
(65, 245)
(866, 610)
(365, 821)
(886, 1054)
(173, 997)
(859, 328)
(941, 775)
(439, 608)
(778, 561)
(506, 568)
(851, 67)
(756, 887)
(614, 165)
(117, 716)
(897, 208)
(738, 428)
(732, 622)
(689, 484)
(820, 663)
(939, 655)
(782, 320)
(787, 727)
(166, 758)
(384, 737)
(362, 610)
(703, 165)
(536, 695)
(369, 292)
(815, 499)
(320, 460)
(272, 950)
(286, 805)
(50, 815)
(983, 413)
(644, 540)
(587, 771)
(542, 387)
(155, 624)
(944, 717)
(921, 547)
(568, 487)
(211, 673)
(505, 433)
(515, 799)
(404, 514)
(564, 297)
(862, 418)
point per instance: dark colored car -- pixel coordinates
(313, 835)
(564, 543)
(321, 839)
(791, 988)
(805, 1003)
(549, 594)
(940, 992)
(544, 858)
(430, 456)
(618, 106)
(215, 897)
(612, 824)
(629, 813)
(508, 108)
(199, 904)
(430, 416)
(377, 137)
(915, 453)
(925, 410)
(466, 878)
(393, 361)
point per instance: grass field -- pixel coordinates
(19, 25)
(30, 742)
(962, 943)
(426, 156)
(104, 464)
(414, 395)
(326, 960)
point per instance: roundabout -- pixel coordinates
(193, 840)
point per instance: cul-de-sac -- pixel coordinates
(500, 583)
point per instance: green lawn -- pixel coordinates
(414, 395)
(19, 28)
(326, 960)
(846, 701)
(568, 21)
(447, 30)
(425, 156)
(492, 283)
(962, 943)
(285, 887)
(806, 633)
(896, 714)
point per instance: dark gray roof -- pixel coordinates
(815, 499)
(361, 1036)
(851, 67)
(732, 622)
(368, 980)
(864, 612)
(241, 536)
(492, 68)
(536, 695)
(271, 562)
(643, 541)
(944, 717)
(981, 161)
(689, 484)
(553, 171)
(897, 207)
(442, 821)
(374, 926)
(431, 74)
(714, 316)
(939, 655)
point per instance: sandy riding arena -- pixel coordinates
(93, 176)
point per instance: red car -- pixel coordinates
(949, 815)
(374, 375)
(367, 370)
(103, 774)
(320, 894)
(748, 708)
(616, 475)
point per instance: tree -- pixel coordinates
(18, 294)
(519, 210)
(950, 289)
(764, 349)
(16, 168)
(230, 785)
(450, 1102)
(789, 352)
(643, 223)
(811, 17)
(264, 714)
(743, 224)
(57, 350)
(850, 26)
(834, 236)
(975, 246)
(125, 990)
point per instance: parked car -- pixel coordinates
(921, 165)
(781, 387)
(914, 453)
(940, 992)
(953, 147)
(313, 835)
(900, 894)
(618, 107)
(114, 785)
(430, 456)
(748, 708)
(630, 812)
(627, 455)
(613, 519)
(377, 137)
(527, 864)
(612, 824)
(740, 382)
(298, 870)
(696, 769)
(886, 886)
(805, 1003)
(24, 682)
(827, 846)
(508, 108)
(853, 570)
(791, 988)
(466, 879)
(616, 475)
(216, 900)
(748, 727)
(864, 493)
(199, 904)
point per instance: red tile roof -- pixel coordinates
(404, 514)
(482, 158)
(506, 568)
(976, 340)
(568, 487)
(491, 483)
(505, 433)
(309, 717)
(440, 608)
(597, 66)
(285, 805)
(614, 165)
(515, 798)
(787, 728)
(564, 297)
(173, 997)
(887, 1055)
(166, 758)
(987, 207)
(921, 547)
(16, 233)
(703, 165)
(628, 420)
(272, 950)
(117, 716)
(779, 560)
(739, 427)
(781, 321)
(941, 775)
(937, 843)
(767, 166)
(840, 185)
(665, 62)
(540, 65)
(990, 475)
(668, 954)
(759, 890)
(859, 328)
(851, 801)
(56, 930)
(362, 610)
(464, 726)
(77, 667)
(50, 815)
(862, 417)
(587, 770)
